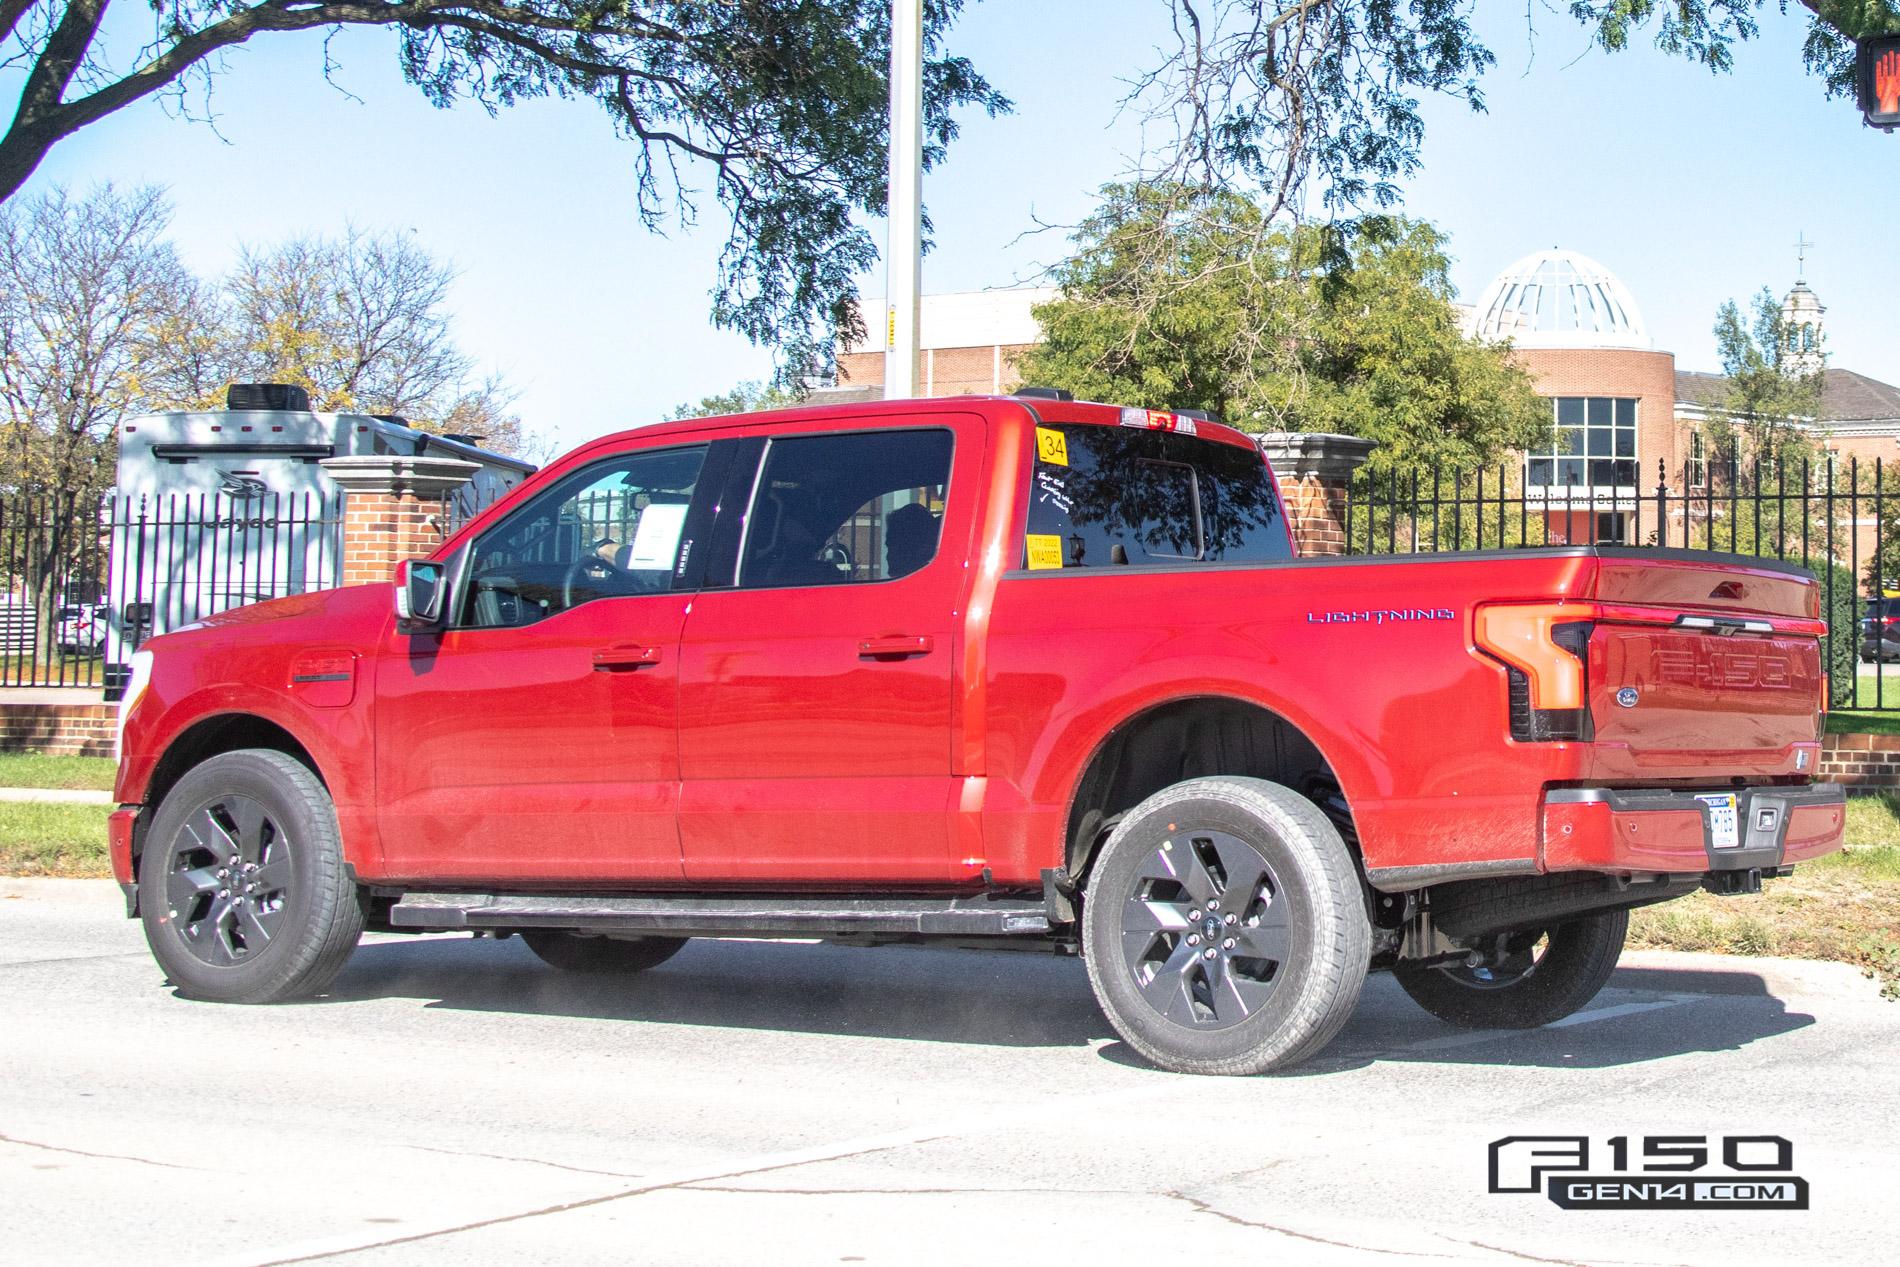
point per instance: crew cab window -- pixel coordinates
(846, 509)
(608, 530)
(1122, 497)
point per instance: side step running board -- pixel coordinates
(681, 915)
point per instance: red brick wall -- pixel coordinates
(380, 529)
(1315, 512)
(1648, 376)
(942, 371)
(61, 730)
(1861, 761)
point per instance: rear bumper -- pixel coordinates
(1667, 830)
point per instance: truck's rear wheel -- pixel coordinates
(1223, 928)
(572, 952)
(1543, 977)
(242, 887)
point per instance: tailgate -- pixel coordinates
(1690, 660)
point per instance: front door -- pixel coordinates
(534, 738)
(815, 685)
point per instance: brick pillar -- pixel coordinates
(393, 509)
(1314, 470)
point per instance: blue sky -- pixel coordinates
(1690, 187)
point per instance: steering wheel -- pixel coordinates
(838, 555)
(591, 567)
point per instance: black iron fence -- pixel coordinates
(1836, 518)
(89, 579)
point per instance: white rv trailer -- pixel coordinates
(217, 508)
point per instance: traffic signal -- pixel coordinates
(1878, 69)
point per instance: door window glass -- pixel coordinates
(846, 509)
(1123, 497)
(609, 530)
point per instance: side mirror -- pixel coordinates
(420, 590)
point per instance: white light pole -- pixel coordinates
(903, 259)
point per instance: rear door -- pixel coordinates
(816, 667)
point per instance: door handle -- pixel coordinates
(894, 647)
(613, 659)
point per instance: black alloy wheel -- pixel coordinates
(227, 880)
(1204, 929)
(243, 888)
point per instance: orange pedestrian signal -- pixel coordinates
(1878, 69)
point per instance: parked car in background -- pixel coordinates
(1880, 630)
(80, 629)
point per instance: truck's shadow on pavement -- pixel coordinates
(1032, 1000)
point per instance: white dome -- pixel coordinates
(1559, 299)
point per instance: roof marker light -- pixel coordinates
(1156, 420)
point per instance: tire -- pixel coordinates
(1576, 963)
(261, 819)
(1301, 938)
(573, 952)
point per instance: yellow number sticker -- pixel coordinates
(1052, 447)
(1045, 551)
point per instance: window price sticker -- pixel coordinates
(1045, 551)
(1724, 822)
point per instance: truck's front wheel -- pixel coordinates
(242, 886)
(1223, 928)
(1541, 978)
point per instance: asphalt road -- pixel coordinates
(757, 1103)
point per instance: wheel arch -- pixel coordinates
(1195, 736)
(212, 736)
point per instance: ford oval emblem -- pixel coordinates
(1627, 697)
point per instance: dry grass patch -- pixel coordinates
(1845, 907)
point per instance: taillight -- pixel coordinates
(1545, 650)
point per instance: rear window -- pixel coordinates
(1124, 497)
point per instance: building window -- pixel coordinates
(1595, 448)
(1698, 461)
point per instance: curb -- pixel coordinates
(56, 795)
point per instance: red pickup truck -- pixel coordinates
(997, 672)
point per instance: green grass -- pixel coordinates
(1849, 722)
(33, 769)
(61, 840)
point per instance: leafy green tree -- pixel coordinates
(1768, 411)
(779, 105)
(748, 397)
(1202, 302)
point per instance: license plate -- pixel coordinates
(1724, 822)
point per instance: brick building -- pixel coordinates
(1625, 416)
(969, 345)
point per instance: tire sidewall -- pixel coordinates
(1261, 1038)
(238, 774)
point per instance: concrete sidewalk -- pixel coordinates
(56, 795)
